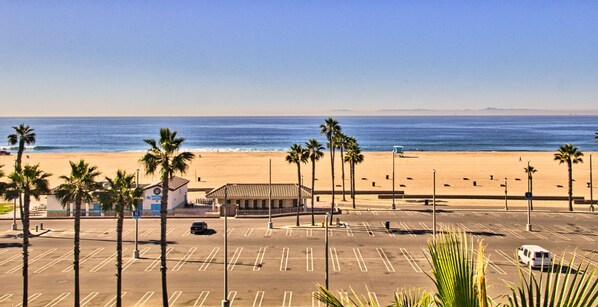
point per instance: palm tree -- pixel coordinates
(571, 155)
(163, 156)
(78, 187)
(330, 128)
(530, 170)
(119, 195)
(32, 182)
(354, 157)
(298, 155)
(314, 149)
(341, 142)
(24, 135)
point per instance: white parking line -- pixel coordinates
(156, 261)
(406, 227)
(493, 265)
(201, 299)
(106, 233)
(126, 232)
(144, 298)
(229, 231)
(183, 260)
(358, 212)
(259, 259)
(5, 297)
(53, 262)
(89, 256)
(309, 259)
(391, 213)
(59, 299)
(315, 302)
(288, 296)
(411, 261)
(15, 257)
(147, 232)
(132, 260)
(374, 212)
(368, 228)
(88, 298)
(344, 297)
(32, 260)
(336, 266)
(175, 296)
(259, 297)
(105, 261)
(408, 212)
(169, 231)
(510, 231)
(360, 260)
(552, 233)
(284, 259)
(248, 232)
(375, 297)
(572, 232)
(349, 231)
(424, 226)
(507, 257)
(186, 233)
(289, 232)
(490, 230)
(235, 258)
(31, 299)
(87, 232)
(268, 233)
(520, 226)
(390, 233)
(309, 232)
(385, 260)
(112, 301)
(209, 258)
(231, 297)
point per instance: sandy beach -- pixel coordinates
(413, 172)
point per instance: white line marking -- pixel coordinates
(231, 297)
(147, 232)
(390, 233)
(375, 297)
(31, 299)
(314, 301)
(411, 261)
(288, 296)
(391, 213)
(88, 298)
(411, 233)
(175, 296)
(169, 231)
(229, 231)
(424, 226)
(368, 228)
(183, 260)
(336, 266)
(385, 260)
(112, 301)
(248, 232)
(289, 232)
(309, 232)
(309, 259)
(531, 232)
(259, 297)
(5, 297)
(268, 233)
(53, 262)
(408, 212)
(259, 259)
(17, 256)
(209, 258)
(507, 257)
(105, 261)
(58, 299)
(144, 299)
(284, 259)
(510, 231)
(360, 260)
(87, 232)
(349, 231)
(126, 232)
(235, 258)
(374, 212)
(358, 212)
(132, 260)
(106, 233)
(89, 256)
(490, 230)
(32, 260)
(574, 233)
(156, 261)
(201, 299)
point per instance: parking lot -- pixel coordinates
(278, 267)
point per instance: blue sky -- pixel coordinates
(294, 57)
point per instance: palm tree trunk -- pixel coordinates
(76, 250)
(119, 255)
(20, 152)
(570, 166)
(531, 189)
(343, 173)
(353, 183)
(163, 212)
(25, 222)
(298, 190)
(313, 182)
(332, 168)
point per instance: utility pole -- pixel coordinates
(434, 207)
(591, 188)
(394, 206)
(326, 283)
(225, 302)
(136, 252)
(506, 204)
(270, 226)
(528, 227)
(14, 214)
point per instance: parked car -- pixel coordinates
(534, 256)
(199, 227)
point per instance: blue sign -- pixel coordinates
(136, 214)
(528, 195)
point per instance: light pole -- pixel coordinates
(270, 226)
(225, 302)
(591, 188)
(528, 227)
(394, 206)
(14, 214)
(434, 206)
(506, 204)
(136, 252)
(326, 283)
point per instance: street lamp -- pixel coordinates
(591, 188)
(528, 227)
(394, 206)
(270, 226)
(326, 246)
(14, 214)
(506, 205)
(434, 206)
(136, 252)
(225, 302)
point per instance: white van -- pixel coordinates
(534, 256)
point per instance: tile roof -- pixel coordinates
(259, 190)
(174, 183)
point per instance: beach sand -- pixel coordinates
(215, 169)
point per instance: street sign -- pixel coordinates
(528, 195)
(136, 214)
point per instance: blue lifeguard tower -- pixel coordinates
(400, 150)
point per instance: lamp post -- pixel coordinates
(270, 226)
(591, 188)
(506, 204)
(136, 252)
(225, 302)
(14, 214)
(326, 282)
(528, 227)
(434, 206)
(394, 206)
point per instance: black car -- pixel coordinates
(199, 227)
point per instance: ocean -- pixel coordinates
(373, 133)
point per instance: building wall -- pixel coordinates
(176, 199)
(286, 203)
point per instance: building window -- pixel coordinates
(255, 203)
(294, 203)
(228, 201)
(246, 204)
(264, 204)
(280, 203)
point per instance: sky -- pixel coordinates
(135, 58)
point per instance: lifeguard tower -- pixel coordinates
(399, 150)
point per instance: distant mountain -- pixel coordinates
(489, 111)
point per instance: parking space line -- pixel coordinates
(2, 252)
(209, 258)
(358, 212)
(201, 299)
(174, 297)
(169, 231)
(478, 214)
(268, 232)
(133, 259)
(490, 230)
(507, 257)
(186, 233)
(107, 232)
(248, 232)
(235, 258)
(368, 229)
(411, 261)
(424, 226)
(314, 300)
(53, 262)
(89, 256)
(391, 213)
(309, 232)
(229, 231)
(572, 232)
(259, 259)
(87, 232)
(411, 233)
(510, 231)
(126, 232)
(374, 212)
(105, 261)
(284, 260)
(183, 260)
(32, 260)
(330, 233)
(385, 260)
(58, 299)
(31, 299)
(360, 260)
(259, 297)
(309, 259)
(493, 265)
(336, 266)
(157, 260)
(344, 297)
(5, 297)
(494, 214)
(531, 232)
(375, 297)
(390, 233)
(349, 231)
(112, 301)
(408, 213)
(552, 233)
(147, 232)
(231, 297)
(88, 298)
(144, 299)
(11, 258)
(288, 296)
(289, 232)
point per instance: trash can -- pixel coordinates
(426, 202)
(387, 224)
(317, 198)
(373, 183)
(387, 177)
(475, 183)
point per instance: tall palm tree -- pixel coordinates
(530, 170)
(78, 187)
(330, 128)
(571, 155)
(354, 157)
(31, 182)
(164, 157)
(24, 135)
(298, 155)
(119, 195)
(315, 152)
(341, 142)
